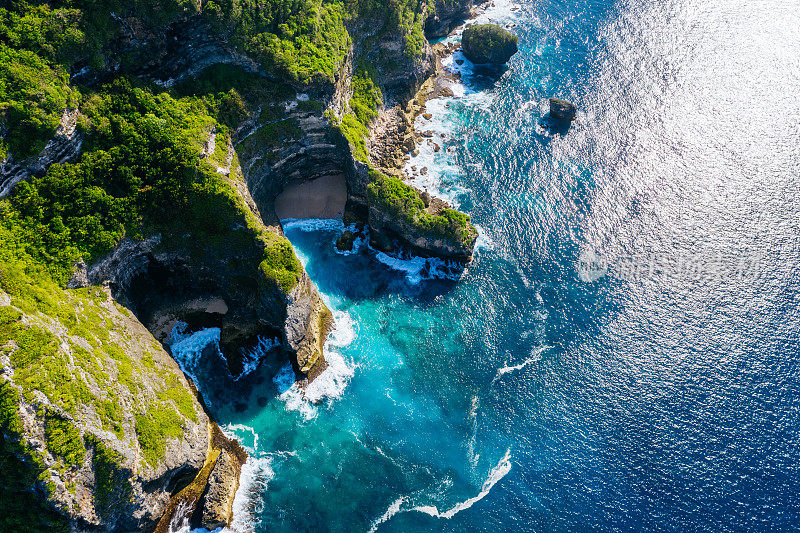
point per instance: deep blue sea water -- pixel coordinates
(623, 352)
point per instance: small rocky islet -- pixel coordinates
(488, 44)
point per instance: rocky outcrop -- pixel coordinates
(447, 15)
(108, 441)
(63, 147)
(488, 44)
(207, 501)
(394, 234)
(217, 507)
(562, 110)
(205, 285)
(308, 322)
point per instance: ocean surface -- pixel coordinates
(623, 354)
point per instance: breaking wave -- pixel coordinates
(331, 383)
(187, 348)
(497, 473)
(536, 356)
(420, 268)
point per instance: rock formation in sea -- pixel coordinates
(488, 44)
(562, 110)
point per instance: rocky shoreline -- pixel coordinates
(241, 277)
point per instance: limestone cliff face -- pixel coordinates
(393, 234)
(447, 15)
(216, 284)
(308, 322)
(63, 147)
(107, 442)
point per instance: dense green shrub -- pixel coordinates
(64, 440)
(33, 96)
(305, 40)
(401, 201)
(367, 98)
(488, 43)
(364, 105)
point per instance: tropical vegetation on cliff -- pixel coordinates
(83, 385)
(393, 196)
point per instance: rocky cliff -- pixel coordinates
(101, 423)
(143, 146)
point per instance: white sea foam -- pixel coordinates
(419, 268)
(331, 383)
(312, 224)
(187, 348)
(440, 177)
(393, 509)
(497, 473)
(251, 357)
(483, 242)
(473, 420)
(536, 356)
(242, 433)
(248, 503)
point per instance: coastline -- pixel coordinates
(400, 135)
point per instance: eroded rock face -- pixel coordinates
(447, 15)
(562, 110)
(217, 509)
(112, 464)
(308, 322)
(65, 146)
(388, 231)
(488, 44)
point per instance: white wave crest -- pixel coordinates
(312, 224)
(252, 356)
(248, 502)
(187, 348)
(242, 433)
(497, 473)
(393, 509)
(536, 356)
(331, 383)
(419, 268)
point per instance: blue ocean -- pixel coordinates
(623, 353)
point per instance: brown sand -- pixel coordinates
(320, 198)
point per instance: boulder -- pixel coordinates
(221, 490)
(345, 241)
(562, 110)
(488, 44)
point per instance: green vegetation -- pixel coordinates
(367, 98)
(405, 16)
(111, 483)
(305, 40)
(64, 440)
(364, 105)
(22, 509)
(33, 96)
(393, 196)
(488, 43)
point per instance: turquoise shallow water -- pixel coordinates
(623, 352)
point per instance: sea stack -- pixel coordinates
(562, 110)
(488, 44)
